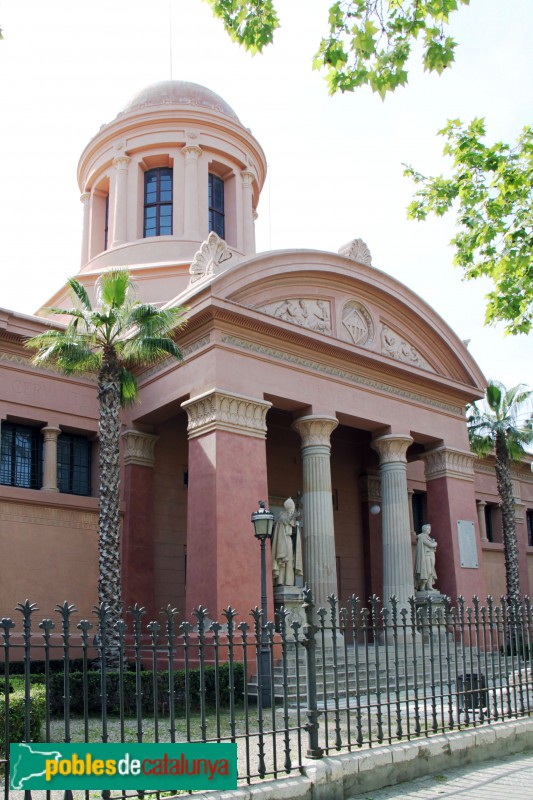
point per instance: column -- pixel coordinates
(410, 494)
(191, 222)
(86, 200)
(121, 200)
(247, 212)
(398, 578)
(227, 478)
(320, 572)
(50, 435)
(138, 551)
(453, 517)
(481, 520)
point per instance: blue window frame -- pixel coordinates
(216, 205)
(158, 202)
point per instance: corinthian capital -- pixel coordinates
(121, 163)
(191, 152)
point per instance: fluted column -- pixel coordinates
(121, 200)
(190, 222)
(86, 200)
(320, 571)
(481, 505)
(248, 212)
(50, 436)
(396, 527)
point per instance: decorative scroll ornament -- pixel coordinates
(357, 325)
(209, 259)
(358, 251)
(394, 346)
(312, 314)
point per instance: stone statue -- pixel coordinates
(287, 546)
(425, 575)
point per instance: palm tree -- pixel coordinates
(504, 426)
(110, 341)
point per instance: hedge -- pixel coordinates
(56, 690)
(16, 715)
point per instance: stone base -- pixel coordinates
(291, 598)
(438, 602)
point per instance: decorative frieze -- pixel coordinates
(444, 462)
(312, 314)
(357, 250)
(208, 260)
(34, 514)
(219, 410)
(357, 325)
(139, 448)
(393, 346)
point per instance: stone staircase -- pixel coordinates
(367, 671)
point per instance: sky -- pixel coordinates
(335, 163)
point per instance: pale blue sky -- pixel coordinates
(335, 163)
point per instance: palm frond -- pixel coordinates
(128, 388)
(112, 288)
(80, 292)
(145, 350)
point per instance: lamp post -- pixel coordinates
(263, 522)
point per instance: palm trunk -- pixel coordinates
(109, 538)
(505, 490)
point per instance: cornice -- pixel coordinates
(337, 372)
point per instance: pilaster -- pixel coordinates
(191, 153)
(247, 212)
(121, 200)
(86, 200)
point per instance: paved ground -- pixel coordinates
(508, 779)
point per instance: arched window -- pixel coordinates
(216, 205)
(158, 202)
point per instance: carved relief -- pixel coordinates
(357, 325)
(37, 514)
(209, 259)
(358, 251)
(394, 346)
(312, 314)
(221, 411)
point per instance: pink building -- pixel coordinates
(303, 370)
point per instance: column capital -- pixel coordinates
(445, 462)
(315, 429)
(139, 448)
(85, 197)
(226, 411)
(248, 177)
(50, 433)
(191, 152)
(392, 448)
(370, 486)
(121, 163)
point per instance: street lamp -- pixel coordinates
(263, 522)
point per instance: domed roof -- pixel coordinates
(179, 93)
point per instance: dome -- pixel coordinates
(179, 93)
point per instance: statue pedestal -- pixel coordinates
(292, 598)
(438, 619)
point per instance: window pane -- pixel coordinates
(158, 202)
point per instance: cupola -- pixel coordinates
(173, 166)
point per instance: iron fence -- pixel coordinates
(347, 678)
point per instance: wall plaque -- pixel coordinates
(466, 532)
